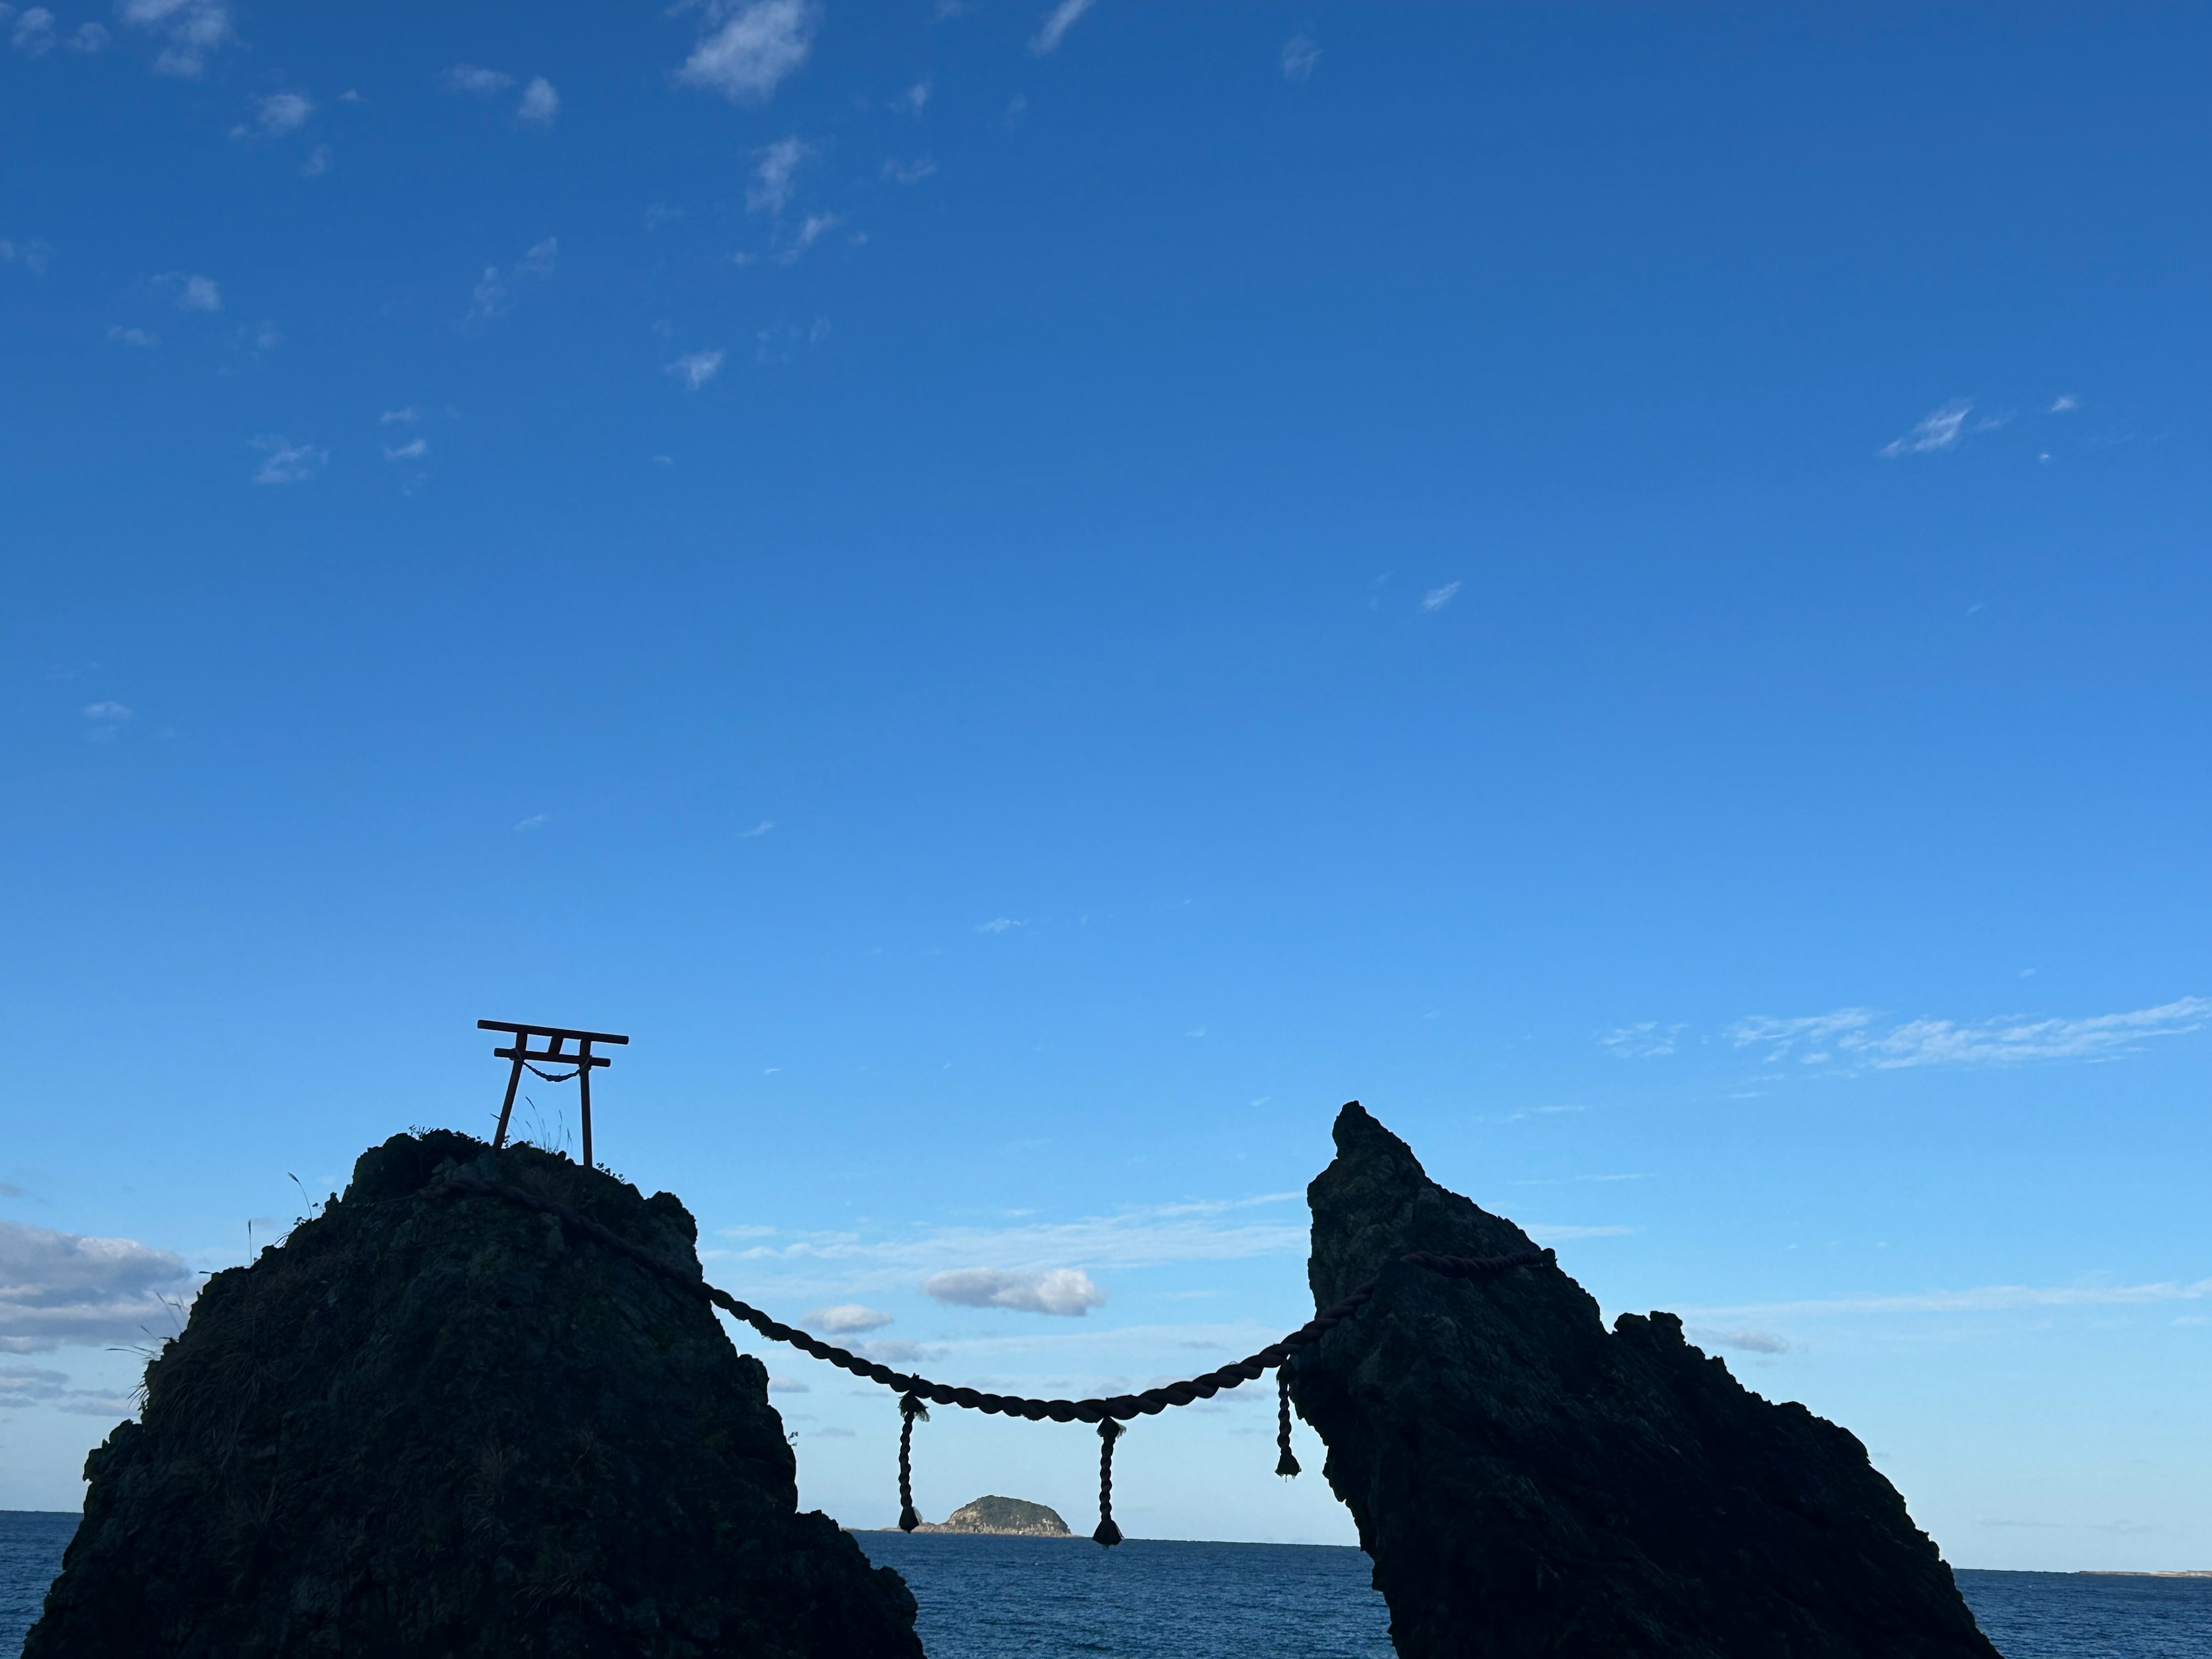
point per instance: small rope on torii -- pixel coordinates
(1108, 1414)
(548, 1077)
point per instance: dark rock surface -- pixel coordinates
(1529, 1483)
(438, 1426)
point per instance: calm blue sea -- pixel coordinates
(1042, 1598)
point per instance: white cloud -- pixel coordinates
(696, 369)
(283, 111)
(406, 417)
(59, 1288)
(489, 297)
(1852, 1035)
(483, 82)
(1000, 925)
(2065, 402)
(1749, 1341)
(1437, 598)
(535, 821)
(32, 255)
(284, 462)
(197, 294)
(408, 452)
(1062, 18)
(760, 828)
(188, 31)
(811, 229)
(1067, 1292)
(908, 173)
(1299, 57)
(89, 37)
(1936, 431)
(540, 103)
(913, 99)
(848, 1319)
(750, 50)
(1647, 1039)
(145, 339)
(318, 162)
(787, 1385)
(112, 713)
(776, 175)
(26, 1385)
(1989, 1299)
(33, 34)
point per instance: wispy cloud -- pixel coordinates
(188, 30)
(1938, 430)
(1065, 1292)
(914, 99)
(696, 369)
(26, 1385)
(33, 33)
(1437, 598)
(1299, 57)
(760, 828)
(1749, 1341)
(1856, 1036)
(32, 255)
(494, 290)
(908, 173)
(1060, 19)
(811, 229)
(746, 52)
(848, 1319)
(194, 293)
(1647, 1039)
(775, 174)
(284, 462)
(278, 114)
(1000, 925)
(536, 821)
(1989, 1299)
(2065, 404)
(481, 82)
(407, 452)
(145, 339)
(540, 103)
(58, 1288)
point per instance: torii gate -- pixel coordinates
(522, 1054)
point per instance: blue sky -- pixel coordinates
(1030, 598)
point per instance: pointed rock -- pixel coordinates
(1529, 1483)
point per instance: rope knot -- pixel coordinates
(1287, 1464)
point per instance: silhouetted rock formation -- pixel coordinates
(1011, 1517)
(1528, 1483)
(442, 1427)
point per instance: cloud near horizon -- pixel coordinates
(1853, 1036)
(62, 1288)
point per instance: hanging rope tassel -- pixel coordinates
(910, 1407)
(1108, 1533)
(1286, 1465)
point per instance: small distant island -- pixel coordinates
(1014, 1517)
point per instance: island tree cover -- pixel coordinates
(441, 1426)
(1529, 1483)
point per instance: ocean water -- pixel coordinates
(1049, 1598)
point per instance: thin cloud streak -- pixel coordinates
(1851, 1035)
(1989, 1299)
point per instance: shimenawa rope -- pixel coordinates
(1108, 1414)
